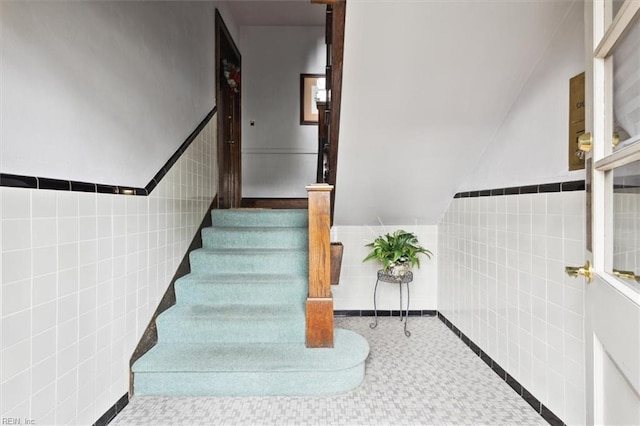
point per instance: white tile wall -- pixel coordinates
(358, 279)
(501, 281)
(81, 276)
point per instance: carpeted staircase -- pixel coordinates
(238, 326)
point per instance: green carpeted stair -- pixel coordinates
(238, 326)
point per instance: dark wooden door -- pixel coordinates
(228, 90)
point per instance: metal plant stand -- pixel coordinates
(388, 278)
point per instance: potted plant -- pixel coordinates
(398, 252)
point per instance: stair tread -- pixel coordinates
(232, 311)
(238, 325)
(349, 349)
(231, 278)
(253, 217)
(249, 250)
(274, 228)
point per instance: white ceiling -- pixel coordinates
(426, 87)
(275, 12)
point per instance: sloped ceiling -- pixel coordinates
(426, 87)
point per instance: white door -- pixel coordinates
(612, 327)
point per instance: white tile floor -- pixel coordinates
(428, 378)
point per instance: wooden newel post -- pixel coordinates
(319, 300)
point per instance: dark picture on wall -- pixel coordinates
(308, 91)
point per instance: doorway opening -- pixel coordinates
(228, 91)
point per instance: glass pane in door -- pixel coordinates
(626, 222)
(626, 87)
(616, 5)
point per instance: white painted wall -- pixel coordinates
(102, 91)
(278, 154)
(530, 146)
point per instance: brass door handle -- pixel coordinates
(585, 141)
(574, 271)
(627, 275)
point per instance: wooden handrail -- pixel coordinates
(319, 306)
(337, 55)
(329, 123)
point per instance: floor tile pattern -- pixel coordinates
(429, 378)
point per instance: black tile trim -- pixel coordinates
(512, 191)
(107, 189)
(531, 400)
(113, 411)
(19, 181)
(84, 187)
(576, 185)
(125, 190)
(550, 417)
(540, 408)
(550, 187)
(624, 185)
(183, 148)
(55, 184)
(383, 313)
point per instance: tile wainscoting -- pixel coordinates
(501, 282)
(82, 273)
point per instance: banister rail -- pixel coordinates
(322, 175)
(329, 111)
(319, 305)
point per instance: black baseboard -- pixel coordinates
(150, 335)
(384, 313)
(112, 412)
(540, 408)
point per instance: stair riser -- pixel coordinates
(238, 326)
(252, 218)
(202, 330)
(285, 238)
(197, 293)
(296, 383)
(268, 262)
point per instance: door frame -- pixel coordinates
(229, 173)
(605, 333)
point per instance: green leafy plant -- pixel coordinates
(396, 249)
